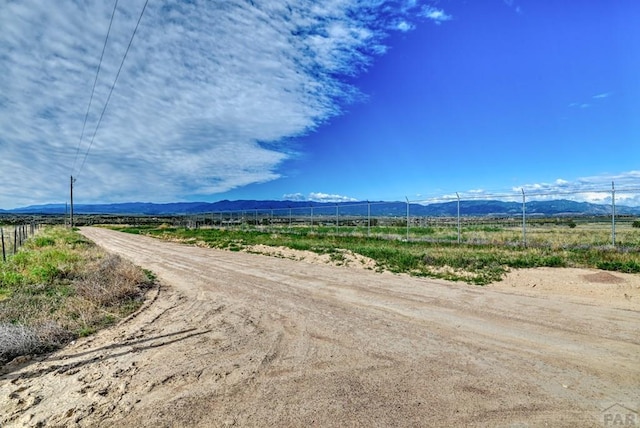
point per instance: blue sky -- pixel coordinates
(335, 100)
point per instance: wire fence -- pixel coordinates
(13, 237)
(549, 219)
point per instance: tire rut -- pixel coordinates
(249, 340)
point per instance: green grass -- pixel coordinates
(60, 286)
(476, 264)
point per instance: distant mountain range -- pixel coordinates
(560, 207)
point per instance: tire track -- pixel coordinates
(249, 340)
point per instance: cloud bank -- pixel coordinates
(318, 197)
(208, 96)
(594, 189)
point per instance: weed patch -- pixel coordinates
(60, 286)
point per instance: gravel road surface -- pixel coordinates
(236, 339)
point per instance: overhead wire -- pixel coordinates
(104, 109)
(93, 90)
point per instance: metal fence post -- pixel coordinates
(368, 218)
(613, 214)
(407, 218)
(458, 196)
(524, 221)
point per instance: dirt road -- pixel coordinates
(234, 339)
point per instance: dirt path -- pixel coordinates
(235, 339)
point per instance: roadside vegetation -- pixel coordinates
(472, 263)
(59, 287)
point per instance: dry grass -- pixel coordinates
(109, 280)
(60, 286)
(17, 340)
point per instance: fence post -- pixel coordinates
(524, 220)
(407, 218)
(368, 218)
(4, 255)
(613, 214)
(312, 218)
(337, 219)
(458, 196)
(15, 240)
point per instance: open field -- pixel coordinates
(538, 231)
(540, 234)
(480, 263)
(238, 339)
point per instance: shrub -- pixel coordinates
(636, 223)
(628, 266)
(111, 280)
(16, 340)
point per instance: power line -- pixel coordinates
(113, 86)
(95, 81)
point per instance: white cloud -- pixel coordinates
(318, 197)
(325, 197)
(207, 98)
(584, 105)
(294, 197)
(595, 189)
(435, 14)
(579, 105)
(404, 26)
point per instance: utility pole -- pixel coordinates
(71, 217)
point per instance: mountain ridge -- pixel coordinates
(488, 207)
